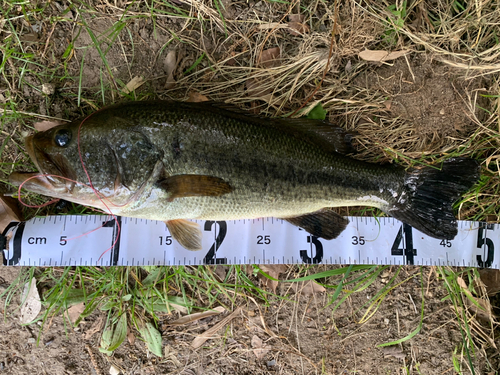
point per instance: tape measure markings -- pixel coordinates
(366, 240)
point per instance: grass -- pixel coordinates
(90, 52)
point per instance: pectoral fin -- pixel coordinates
(187, 233)
(324, 223)
(192, 185)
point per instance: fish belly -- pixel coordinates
(248, 204)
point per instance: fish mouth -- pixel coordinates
(54, 172)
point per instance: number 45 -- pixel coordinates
(445, 243)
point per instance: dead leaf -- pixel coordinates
(393, 351)
(297, 29)
(481, 308)
(381, 56)
(46, 125)
(484, 311)
(348, 66)
(194, 317)
(96, 327)
(74, 312)
(270, 57)
(130, 336)
(271, 25)
(170, 64)
(261, 88)
(461, 283)
(9, 211)
(134, 83)
(208, 334)
(296, 17)
(272, 270)
(179, 308)
(31, 304)
(30, 38)
(196, 97)
(491, 280)
(296, 25)
(307, 288)
(258, 347)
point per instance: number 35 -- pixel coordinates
(358, 240)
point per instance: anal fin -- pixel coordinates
(324, 223)
(187, 233)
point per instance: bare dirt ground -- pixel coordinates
(298, 334)
(417, 106)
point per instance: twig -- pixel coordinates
(93, 360)
(48, 40)
(198, 341)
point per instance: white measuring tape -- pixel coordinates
(74, 240)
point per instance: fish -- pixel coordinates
(177, 161)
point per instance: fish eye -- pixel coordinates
(62, 137)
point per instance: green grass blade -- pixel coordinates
(339, 271)
(195, 64)
(416, 330)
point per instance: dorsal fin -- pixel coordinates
(319, 132)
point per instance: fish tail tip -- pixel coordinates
(426, 202)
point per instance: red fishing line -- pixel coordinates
(90, 185)
(55, 200)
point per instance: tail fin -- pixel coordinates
(428, 195)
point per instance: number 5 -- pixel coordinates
(481, 240)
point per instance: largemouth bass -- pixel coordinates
(175, 161)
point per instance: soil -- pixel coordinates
(300, 334)
(429, 96)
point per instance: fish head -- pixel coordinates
(88, 161)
